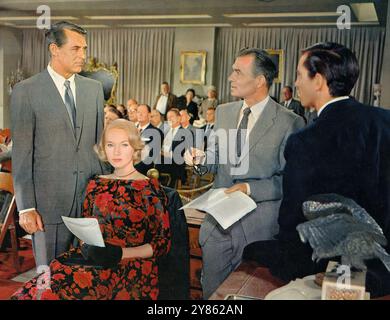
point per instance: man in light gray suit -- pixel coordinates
(263, 127)
(57, 117)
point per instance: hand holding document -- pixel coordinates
(225, 208)
(86, 229)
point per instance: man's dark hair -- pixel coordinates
(289, 88)
(164, 82)
(175, 110)
(113, 109)
(191, 90)
(336, 63)
(56, 33)
(263, 64)
(147, 107)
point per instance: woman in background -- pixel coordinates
(111, 113)
(211, 101)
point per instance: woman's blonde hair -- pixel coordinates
(132, 134)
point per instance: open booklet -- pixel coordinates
(225, 208)
(86, 229)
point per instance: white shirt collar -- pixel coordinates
(257, 108)
(144, 127)
(329, 102)
(57, 77)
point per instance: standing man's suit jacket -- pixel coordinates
(171, 103)
(345, 151)
(153, 137)
(266, 162)
(296, 107)
(50, 163)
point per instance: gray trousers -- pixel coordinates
(221, 254)
(47, 245)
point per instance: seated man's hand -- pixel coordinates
(194, 157)
(108, 256)
(237, 187)
(31, 221)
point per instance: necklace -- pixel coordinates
(125, 174)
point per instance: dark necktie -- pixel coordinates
(243, 125)
(69, 102)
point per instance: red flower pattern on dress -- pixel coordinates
(129, 213)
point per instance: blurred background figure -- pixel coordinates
(122, 109)
(186, 102)
(290, 103)
(157, 120)
(111, 114)
(210, 101)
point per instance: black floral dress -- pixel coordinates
(130, 213)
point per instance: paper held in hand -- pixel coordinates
(225, 208)
(86, 229)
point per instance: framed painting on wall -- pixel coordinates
(193, 67)
(277, 58)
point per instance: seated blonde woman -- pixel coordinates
(131, 211)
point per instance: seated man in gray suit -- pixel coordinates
(262, 127)
(57, 118)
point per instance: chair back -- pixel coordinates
(6, 183)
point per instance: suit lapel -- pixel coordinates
(262, 125)
(50, 90)
(81, 103)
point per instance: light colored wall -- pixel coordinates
(10, 55)
(385, 77)
(193, 39)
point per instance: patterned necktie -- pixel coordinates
(243, 125)
(69, 102)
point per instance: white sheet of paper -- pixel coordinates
(86, 229)
(227, 209)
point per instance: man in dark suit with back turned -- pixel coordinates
(345, 151)
(57, 117)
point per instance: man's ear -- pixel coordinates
(53, 48)
(261, 81)
(320, 82)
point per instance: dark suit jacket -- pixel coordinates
(174, 268)
(153, 137)
(171, 103)
(296, 107)
(181, 142)
(345, 151)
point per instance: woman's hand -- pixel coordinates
(108, 256)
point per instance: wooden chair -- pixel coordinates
(8, 224)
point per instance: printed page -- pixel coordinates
(233, 207)
(225, 208)
(207, 199)
(86, 229)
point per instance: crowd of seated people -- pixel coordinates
(164, 132)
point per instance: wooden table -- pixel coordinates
(251, 280)
(247, 280)
(194, 220)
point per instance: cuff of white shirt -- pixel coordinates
(26, 210)
(248, 189)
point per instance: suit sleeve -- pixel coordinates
(296, 185)
(22, 127)
(270, 189)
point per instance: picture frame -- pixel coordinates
(193, 67)
(277, 56)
